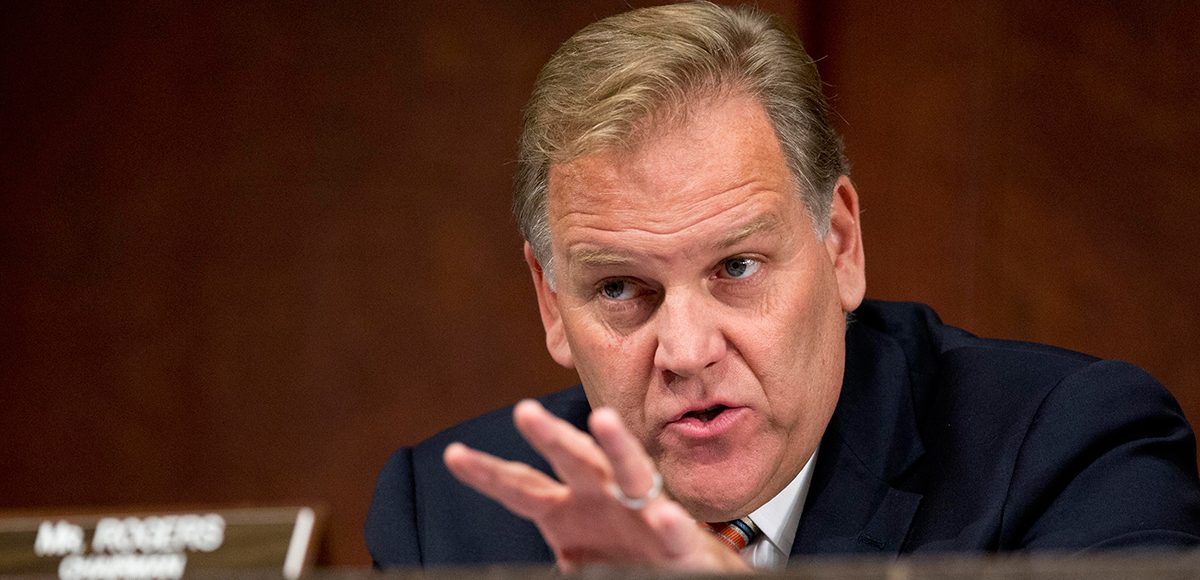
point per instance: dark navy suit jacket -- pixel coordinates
(941, 442)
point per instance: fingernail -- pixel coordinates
(526, 406)
(456, 448)
(607, 411)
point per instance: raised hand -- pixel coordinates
(580, 516)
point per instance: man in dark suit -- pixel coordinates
(694, 243)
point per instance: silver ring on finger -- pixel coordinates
(637, 503)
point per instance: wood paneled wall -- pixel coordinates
(1030, 170)
(246, 251)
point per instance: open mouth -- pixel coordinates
(706, 415)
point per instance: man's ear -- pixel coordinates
(845, 245)
(556, 336)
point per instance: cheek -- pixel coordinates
(615, 369)
(782, 332)
(795, 347)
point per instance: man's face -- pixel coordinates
(693, 296)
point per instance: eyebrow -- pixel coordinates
(760, 224)
(603, 257)
(599, 257)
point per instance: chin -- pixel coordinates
(714, 498)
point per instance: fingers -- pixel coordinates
(687, 545)
(674, 527)
(575, 457)
(580, 518)
(633, 470)
(584, 464)
(522, 489)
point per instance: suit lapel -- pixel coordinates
(850, 510)
(857, 502)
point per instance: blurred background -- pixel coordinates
(248, 249)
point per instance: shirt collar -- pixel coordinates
(779, 517)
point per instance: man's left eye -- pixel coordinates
(739, 267)
(617, 289)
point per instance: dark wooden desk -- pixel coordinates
(1140, 566)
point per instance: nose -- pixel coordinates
(689, 335)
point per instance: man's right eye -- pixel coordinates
(617, 289)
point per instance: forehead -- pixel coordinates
(725, 155)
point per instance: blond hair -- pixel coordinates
(625, 75)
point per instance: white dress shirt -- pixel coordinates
(777, 520)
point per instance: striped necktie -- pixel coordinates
(736, 534)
